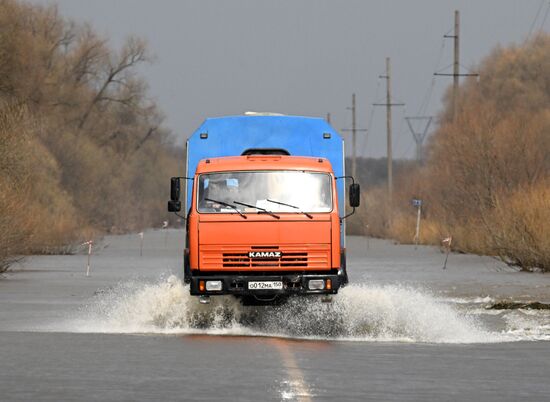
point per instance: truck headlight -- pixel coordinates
(213, 285)
(316, 284)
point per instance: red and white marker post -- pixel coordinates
(447, 243)
(89, 243)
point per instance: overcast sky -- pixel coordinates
(303, 57)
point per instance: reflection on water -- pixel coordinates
(360, 313)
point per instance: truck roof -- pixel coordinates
(264, 162)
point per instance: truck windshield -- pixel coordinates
(275, 191)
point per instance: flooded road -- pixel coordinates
(406, 329)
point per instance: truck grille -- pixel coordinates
(240, 260)
(237, 257)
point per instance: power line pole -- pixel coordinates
(354, 131)
(389, 105)
(389, 133)
(328, 118)
(456, 64)
(419, 136)
(456, 61)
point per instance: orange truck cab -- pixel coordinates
(264, 202)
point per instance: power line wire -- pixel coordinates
(427, 97)
(444, 68)
(544, 19)
(371, 117)
(400, 130)
(466, 68)
(535, 20)
(411, 144)
(426, 103)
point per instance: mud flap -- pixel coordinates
(343, 272)
(186, 266)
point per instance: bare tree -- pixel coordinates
(116, 84)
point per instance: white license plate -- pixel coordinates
(270, 285)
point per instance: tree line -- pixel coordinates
(486, 179)
(82, 146)
(83, 150)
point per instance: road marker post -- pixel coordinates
(418, 204)
(89, 243)
(141, 244)
(164, 227)
(447, 243)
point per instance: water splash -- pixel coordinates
(360, 313)
(531, 325)
(162, 307)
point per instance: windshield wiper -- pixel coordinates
(227, 205)
(259, 208)
(291, 206)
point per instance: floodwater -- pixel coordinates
(405, 329)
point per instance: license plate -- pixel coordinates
(269, 285)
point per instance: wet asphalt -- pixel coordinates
(43, 358)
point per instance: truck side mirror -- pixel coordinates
(354, 195)
(174, 206)
(175, 189)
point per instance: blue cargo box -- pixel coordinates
(300, 136)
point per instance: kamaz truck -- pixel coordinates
(264, 208)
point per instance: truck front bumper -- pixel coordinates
(292, 284)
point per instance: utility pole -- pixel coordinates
(388, 127)
(328, 117)
(419, 136)
(389, 105)
(456, 61)
(354, 138)
(354, 131)
(456, 64)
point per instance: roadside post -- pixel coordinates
(141, 244)
(447, 243)
(89, 243)
(418, 204)
(164, 227)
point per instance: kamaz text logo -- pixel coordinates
(264, 254)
